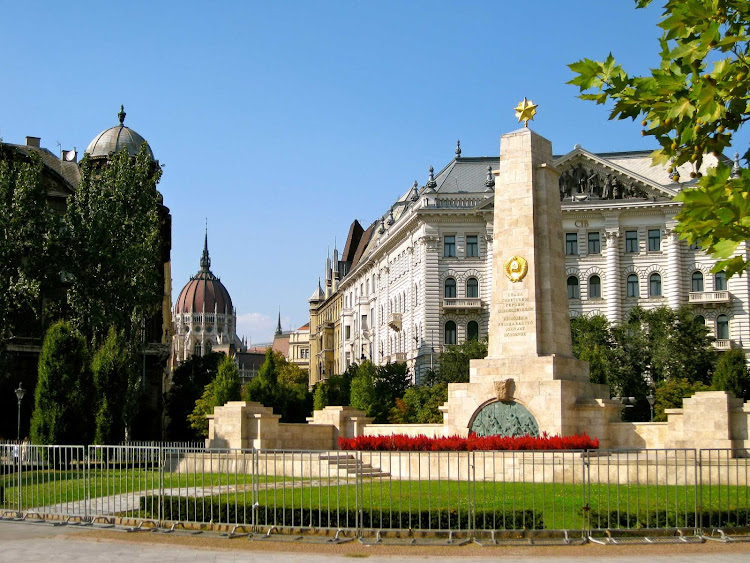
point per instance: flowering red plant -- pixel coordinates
(421, 443)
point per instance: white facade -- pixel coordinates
(423, 280)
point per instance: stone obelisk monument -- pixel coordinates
(530, 372)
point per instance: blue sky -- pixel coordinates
(281, 122)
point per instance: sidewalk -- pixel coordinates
(25, 541)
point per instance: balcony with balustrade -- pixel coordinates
(709, 297)
(462, 303)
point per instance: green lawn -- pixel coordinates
(385, 501)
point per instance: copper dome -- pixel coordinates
(204, 289)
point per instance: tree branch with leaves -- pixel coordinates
(692, 105)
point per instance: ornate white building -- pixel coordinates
(204, 319)
(423, 279)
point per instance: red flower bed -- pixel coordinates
(421, 443)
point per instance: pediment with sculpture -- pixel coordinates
(583, 180)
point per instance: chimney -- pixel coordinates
(33, 142)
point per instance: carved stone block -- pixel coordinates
(504, 389)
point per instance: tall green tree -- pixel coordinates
(189, 380)
(335, 390)
(732, 374)
(593, 342)
(454, 360)
(225, 388)
(362, 395)
(114, 373)
(113, 241)
(63, 397)
(661, 345)
(390, 383)
(263, 388)
(29, 255)
(281, 386)
(692, 104)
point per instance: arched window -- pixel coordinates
(472, 288)
(450, 288)
(700, 319)
(574, 291)
(595, 287)
(722, 327)
(720, 281)
(632, 286)
(654, 285)
(697, 281)
(472, 330)
(450, 332)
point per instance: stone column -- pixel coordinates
(612, 288)
(433, 296)
(673, 286)
(529, 301)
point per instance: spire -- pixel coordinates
(121, 115)
(278, 325)
(458, 149)
(431, 183)
(490, 181)
(736, 166)
(205, 258)
(415, 191)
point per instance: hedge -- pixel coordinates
(188, 509)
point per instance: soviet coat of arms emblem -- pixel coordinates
(516, 268)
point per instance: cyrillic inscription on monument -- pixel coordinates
(516, 313)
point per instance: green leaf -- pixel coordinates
(681, 108)
(725, 248)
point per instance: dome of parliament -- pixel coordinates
(204, 291)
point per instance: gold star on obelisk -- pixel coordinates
(525, 111)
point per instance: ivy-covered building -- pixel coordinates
(61, 175)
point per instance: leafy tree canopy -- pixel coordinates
(659, 344)
(188, 382)
(692, 104)
(113, 239)
(225, 388)
(454, 360)
(281, 386)
(363, 388)
(732, 375)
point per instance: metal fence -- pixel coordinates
(473, 495)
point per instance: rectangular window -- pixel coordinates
(364, 322)
(347, 332)
(449, 246)
(631, 241)
(472, 246)
(571, 244)
(595, 246)
(654, 240)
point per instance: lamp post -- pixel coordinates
(651, 400)
(20, 392)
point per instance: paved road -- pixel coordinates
(23, 541)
